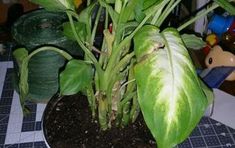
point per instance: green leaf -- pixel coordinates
(85, 14)
(20, 54)
(80, 29)
(23, 82)
(76, 76)
(149, 3)
(169, 91)
(129, 10)
(139, 14)
(55, 5)
(145, 47)
(226, 5)
(192, 41)
(208, 92)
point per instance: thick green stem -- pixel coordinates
(105, 82)
(91, 100)
(102, 112)
(124, 61)
(115, 53)
(135, 109)
(110, 82)
(120, 106)
(198, 16)
(126, 114)
(127, 39)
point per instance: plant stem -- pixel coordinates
(111, 81)
(51, 48)
(135, 109)
(126, 114)
(116, 50)
(120, 105)
(103, 48)
(102, 112)
(91, 100)
(95, 25)
(85, 49)
(172, 4)
(159, 11)
(199, 15)
(123, 62)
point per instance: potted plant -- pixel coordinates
(138, 66)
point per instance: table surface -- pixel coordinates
(25, 132)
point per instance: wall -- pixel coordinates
(5, 4)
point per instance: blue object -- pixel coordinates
(220, 24)
(215, 77)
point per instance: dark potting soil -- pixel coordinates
(70, 125)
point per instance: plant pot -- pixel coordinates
(67, 122)
(36, 29)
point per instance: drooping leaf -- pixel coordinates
(80, 29)
(169, 92)
(19, 54)
(226, 5)
(38, 74)
(192, 41)
(55, 5)
(76, 76)
(23, 82)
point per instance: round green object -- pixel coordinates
(36, 29)
(41, 27)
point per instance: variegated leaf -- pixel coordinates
(55, 5)
(169, 91)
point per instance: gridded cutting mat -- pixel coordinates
(17, 131)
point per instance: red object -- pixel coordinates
(231, 29)
(206, 49)
(111, 28)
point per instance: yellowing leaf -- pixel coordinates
(169, 91)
